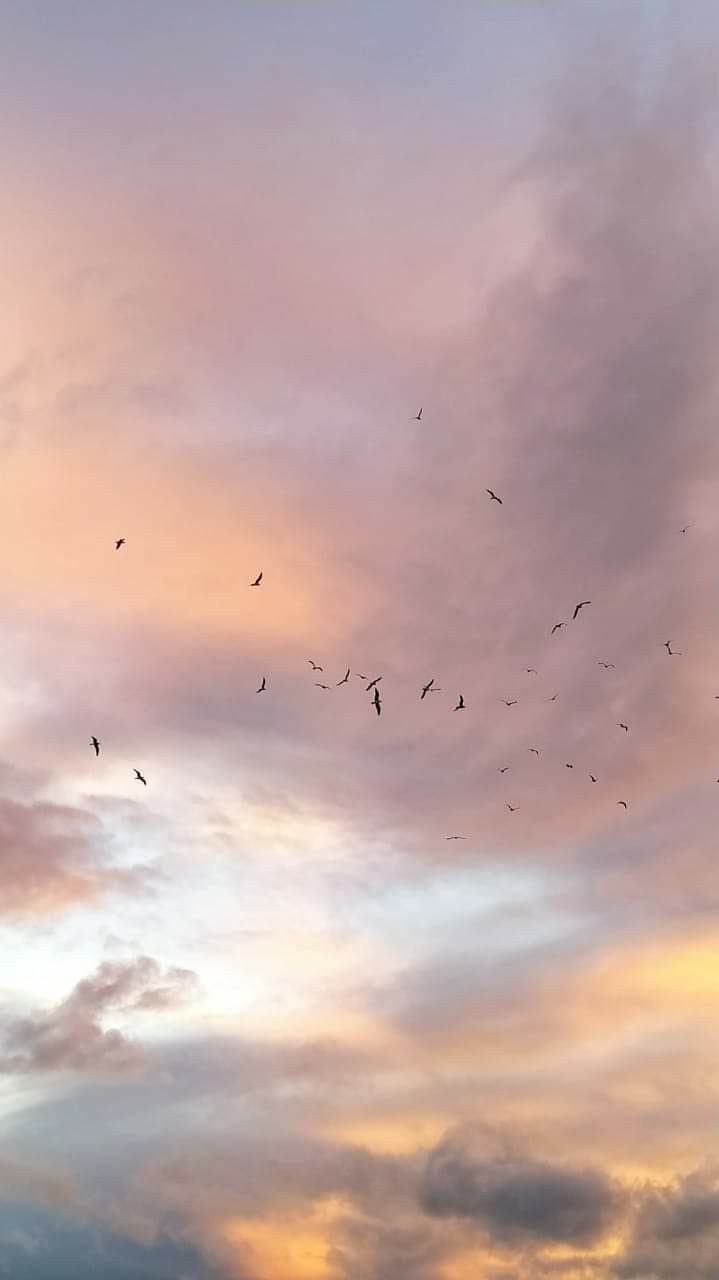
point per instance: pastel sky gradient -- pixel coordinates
(260, 1020)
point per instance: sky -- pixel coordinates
(260, 1019)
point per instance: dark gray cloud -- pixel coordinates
(514, 1197)
(676, 1233)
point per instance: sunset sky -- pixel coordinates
(260, 1019)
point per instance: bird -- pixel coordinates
(569, 766)
(314, 665)
(344, 679)
(625, 727)
(608, 666)
(553, 697)
(460, 704)
(578, 607)
(593, 777)
(533, 750)
(426, 689)
(321, 686)
(359, 676)
(95, 743)
(494, 497)
(418, 416)
(140, 778)
(557, 625)
(531, 671)
(377, 702)
(263, 686)
(686, 526)
(456, 837)
(257, 580)
(673, 653)
(373, 683)
(504, 770)
(119, 542)
(513, 703)
(624, 803)
(512, 808)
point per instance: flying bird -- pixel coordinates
(513, 703)
(460, 704)
(120, 542)
(569, 766)
(321, 686)
(263, 686)
(608, 666)
(494, 497)
(673, 653)
(314, 665)
(557, 625)
(533, 750)
(344, 679)
(95, 743)
(531, 671)
(504, 770)
(624, 803)
(512, 808)
(373, 683)
(686, 526)
(140, 778)
(456, 837)
(427, 688)
(418, 416)
(257, 580)
(578, 607)
(553, 697)
(625, 727)
(593, 777)
(377, 702)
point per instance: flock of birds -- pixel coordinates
(430, 687)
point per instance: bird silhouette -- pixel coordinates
(593, 777)
(427, 688)
(139, 778)
(624, 803)
(504, 770)
(377, 702)
(257, 580)
(418, 416)
(455, 837)
(625, 727)
(557, 626)
(533, 751)
(120, 542)
(263, 686)
(494, 497)
(321, 686)
(314, 665)
(569, 766)
(531, 671)
(373, 683)
(608, 666)
(512, 808)
(460, 704)
(95, 743)
(513, 703)
(686, 526)
(553, 697)
(344, 679)
(578, 607)
(673, 653)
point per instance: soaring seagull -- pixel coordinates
(455, 837)
(494, 497)
(557, 625)
(673, 653)
(608, 666)
(460, 704)
(344, 679)
(512, 808)
(257, 580)
(504, 770)
(140, 778)
(531, 671)
(625, 727)
(263, 686)
(513, 703)
(314, 665)
(592, 777)
(418, 416)
(426, 689)
(578, 607)
(624, 803)
(377, 702)
(321, 686)
(120, 542)
(533, 750)
(95, 743)
(373, 683)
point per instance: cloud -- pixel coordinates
(70, 1036)
(676, 1234)
(514, 1197)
